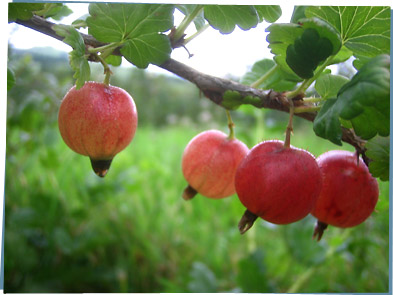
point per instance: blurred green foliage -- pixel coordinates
(67, 230)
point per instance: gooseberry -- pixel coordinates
(97, 121)
(277, 183)
(349, 192)
(209, 164)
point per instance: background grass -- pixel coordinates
(67, 230)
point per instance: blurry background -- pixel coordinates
(67, 230)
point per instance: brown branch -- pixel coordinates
(212, 87)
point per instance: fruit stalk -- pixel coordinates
(231, 125)
(287, 142)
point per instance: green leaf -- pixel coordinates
(324, 30)
(365, 99)
(138, 27)
(114, 60)
(327, 124)
(80, 22)
(225, 17)
(280, 37)
(77, 57)
(54, 10)
(300, 48)
(328, 85)
(278, 80)
(343, 55)
(22, 11)
(147, 48)
(298, 13)
(269, 13)
(10, 79)
(365, 30)
(307, 52)
(378, 151)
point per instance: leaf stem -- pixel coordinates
(307, 83)
(111, 46)
(266, 76)
(196, 34)
(186, 22)
(231, 126)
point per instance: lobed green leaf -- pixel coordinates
(138, 27)
(365, 30)
(226, 17)
(54, 10)
(269, 13)
(365, 99)
(77, 57)
(280, 37)
(327, 124)
(22, 11)
(307, 52)
(328, 85)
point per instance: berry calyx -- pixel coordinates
(209, 164)
(349, 192)
(277, 183)
(97, 121)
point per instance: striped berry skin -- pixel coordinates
(209, 164)
(97, 121)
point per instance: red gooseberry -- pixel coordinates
(277, 183)
(97, 121)
(349, 192)
(209, 164)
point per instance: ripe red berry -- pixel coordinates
(349, 192)
(209, 164)
(279, 184)
(97, 121)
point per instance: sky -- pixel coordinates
(213, 53)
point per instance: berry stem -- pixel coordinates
(231, 125)
(247, 221)
(107, 70)
(189, 193)
(287, 142)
